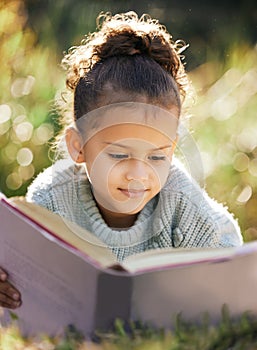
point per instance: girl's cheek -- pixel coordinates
(162, 173)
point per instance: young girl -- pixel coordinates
(128, 85)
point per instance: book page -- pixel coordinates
(175, 257)
(61, 229)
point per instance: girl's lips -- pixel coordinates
(133, 193)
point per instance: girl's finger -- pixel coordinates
(3, 275)
(10, 305)
(9, 291)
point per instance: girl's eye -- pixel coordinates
(118, 155)
(157, 157)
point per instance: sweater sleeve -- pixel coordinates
(200, 221)
(207, 224)
(41, 190)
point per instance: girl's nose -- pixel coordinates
(137, 170)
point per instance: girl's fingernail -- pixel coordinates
(3, 276)
(16, 296)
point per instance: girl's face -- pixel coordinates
(127, 165)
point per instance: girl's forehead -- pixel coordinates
(129, 133)
(137, 115)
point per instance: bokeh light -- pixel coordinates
(22, 86)
(29, 81)
(24, 156)
(23, 131)
(5, 113)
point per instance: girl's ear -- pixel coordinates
(75, 145)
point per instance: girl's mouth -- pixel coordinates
(132, 193)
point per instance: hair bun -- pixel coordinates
(126, 34)
(156, 44)
(122, 43)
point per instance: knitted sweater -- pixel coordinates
(181, 215)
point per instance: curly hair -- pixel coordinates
(126, 57)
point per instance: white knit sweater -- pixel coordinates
(181, 215)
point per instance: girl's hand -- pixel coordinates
(10, 297)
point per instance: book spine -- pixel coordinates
(114, 295)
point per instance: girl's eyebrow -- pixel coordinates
(125, 146)
(163, 147)
(116, 144)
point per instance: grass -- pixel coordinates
(228, 334)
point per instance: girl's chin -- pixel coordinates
(124, 204)
(124, 210)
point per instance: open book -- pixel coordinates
(66, 275)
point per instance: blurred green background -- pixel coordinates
(221, 60)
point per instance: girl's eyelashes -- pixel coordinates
(118, 155)
(156, 157)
